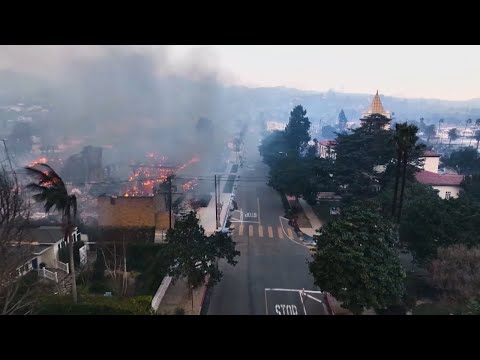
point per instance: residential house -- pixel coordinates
(326, 149)
(135, 213)
(448, 185)
(44, 244)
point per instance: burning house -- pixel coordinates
(150, 176)
(143, 210)
(84, 167)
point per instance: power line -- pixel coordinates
(206, 179)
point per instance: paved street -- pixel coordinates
(271, 254)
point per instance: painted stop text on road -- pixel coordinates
(282, 309)
(250, 215)
(294, 302)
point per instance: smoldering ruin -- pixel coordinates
(118, 120)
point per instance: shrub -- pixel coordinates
(456, 273)
(431, 309)
(98, 269)
(139, 256)
(96, 305)
(99, 287)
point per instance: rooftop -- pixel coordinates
(327, 142)
(377, 107)
(433, 179)
(44, 234)
(430, 153)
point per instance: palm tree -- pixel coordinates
(452, 135)
(469, 121)
(477, 123)
(441, 121)
(51, 190)
(397, 140)
(477, 137)
(422, 124)
(429, 132)
(405, 138)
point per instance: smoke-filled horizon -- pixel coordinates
(133, 98)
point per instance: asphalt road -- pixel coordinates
(272, 256)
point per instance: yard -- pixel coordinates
(145, 271)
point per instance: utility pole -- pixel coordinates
(170, 201)
(10, 162)
(216, 203)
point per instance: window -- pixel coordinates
(448, 194)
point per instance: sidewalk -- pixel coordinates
(207, 216)
(178, 296)
(315, 222)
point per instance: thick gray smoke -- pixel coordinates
(132, 98)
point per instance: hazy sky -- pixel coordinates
(450, 72)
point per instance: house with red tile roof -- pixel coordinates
(448, 185)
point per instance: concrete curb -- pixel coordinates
(329, 305)
(205, 289)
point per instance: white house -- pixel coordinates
(45, 243)
(326, 149)
(448, 185)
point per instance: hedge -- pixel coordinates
(96, 305)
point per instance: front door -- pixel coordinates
(35, 263)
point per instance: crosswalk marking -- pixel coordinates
(262, 231)
(290, 234)
(270, 232)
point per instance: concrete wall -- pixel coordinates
(126, 211)
(454, 190)
(431, 164)
(162, 220)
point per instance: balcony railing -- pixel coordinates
(62, 266)
(47, 274)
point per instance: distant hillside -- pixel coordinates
(278, 102)
(100, 95)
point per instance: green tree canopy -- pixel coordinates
(358, 154)
(471, 187)
(356, 260)
(302, 177)
(429, 222)
(465, 161)
(273, 148)
(193, 255)
(297, 130)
